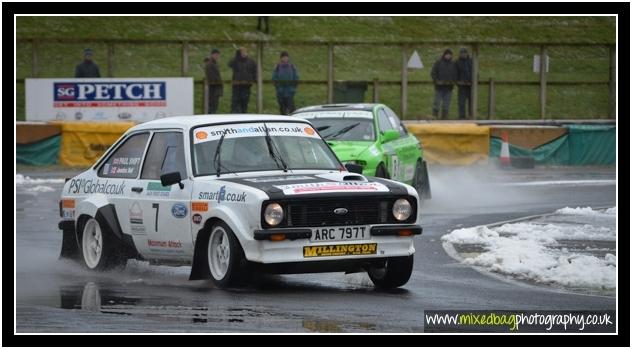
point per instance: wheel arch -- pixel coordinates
(199, 269)
(104, 212)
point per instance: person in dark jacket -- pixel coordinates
(464, 83)
(444, 75)
(214, 78)
(244, 75)
(87, 68)
(264, 20)
(285, 77)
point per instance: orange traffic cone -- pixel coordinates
(505, 159)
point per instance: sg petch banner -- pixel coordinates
(108, 99)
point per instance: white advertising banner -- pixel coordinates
(108, 99)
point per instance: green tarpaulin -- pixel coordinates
(44, 152)
(592, 144)
(582, 145)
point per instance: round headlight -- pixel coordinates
(402, 209)
(273, 214)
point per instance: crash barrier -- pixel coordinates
(82, 143)
(452, 144)
(37, 143)
(575, 145)
(76, 143)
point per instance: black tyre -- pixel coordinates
(395, 273)
(421, 181)
(99, 251)
(381, 171)
(225, 258)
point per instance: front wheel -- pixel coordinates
(381, 172)
(395, 273)
(421, 181)
(225, 257)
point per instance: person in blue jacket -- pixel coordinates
(285, 77)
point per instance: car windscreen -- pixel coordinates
(342, 127)
(245, 148)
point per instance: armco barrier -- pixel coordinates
(82, 143)
(453, 144)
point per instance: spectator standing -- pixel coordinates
(464, 83)
(244, 75)
(214, 78)
(264, 20)
(87, 68)
(285, 77)
(444, 75)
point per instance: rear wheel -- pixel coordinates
(395, 273)
(225, 258)
(381, 171)
(99, 250)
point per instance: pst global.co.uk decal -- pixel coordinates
(95, 186)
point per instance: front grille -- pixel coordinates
(320, 212)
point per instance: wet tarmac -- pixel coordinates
(59, 296)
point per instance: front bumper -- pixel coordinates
(385, 241)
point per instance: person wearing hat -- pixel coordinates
(285, 77)
(214, 80)
(444, 75)
(244, 75)
(464, 83)
(87, 68)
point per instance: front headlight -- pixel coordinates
(273, 214)
(402, 209)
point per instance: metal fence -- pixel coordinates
(403, 82)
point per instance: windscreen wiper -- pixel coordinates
(271, 145)
(342, 131)
(217, 157)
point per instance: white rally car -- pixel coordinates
(236, 194)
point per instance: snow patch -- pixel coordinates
(26, 180)
(39, 189)
(525, 250)
(586, 211)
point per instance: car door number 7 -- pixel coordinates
(157, 207)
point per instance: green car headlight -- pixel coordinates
(402, 209)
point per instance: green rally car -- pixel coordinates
(371, 136)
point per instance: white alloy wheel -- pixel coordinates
(219, 253)
(92, 243)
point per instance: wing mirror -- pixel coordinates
(390, 135)
(171, 178)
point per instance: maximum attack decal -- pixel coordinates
(96, 186)
(222, 195)
(213, 133)
(332, 187)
